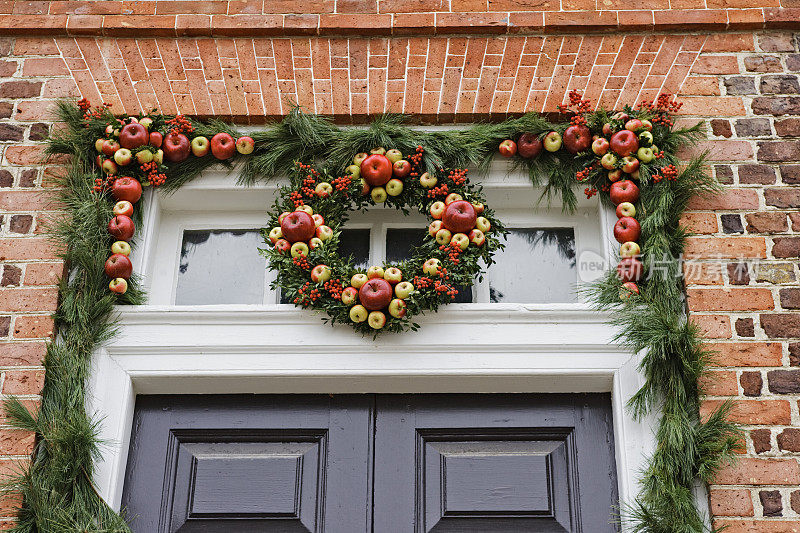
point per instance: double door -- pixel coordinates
(372, 463)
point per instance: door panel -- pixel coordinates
(247, 464)
(494, 463)
(372, 463)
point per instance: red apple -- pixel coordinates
(176, 147)
(119, 266)
(600, 146)
(245, 145)
(320, 273)
(110, 167)
(615, 175)
(123, 207)
(608, 129)
(577, 139)
(630, 269)
(508, 148)
(156, 139)
(397, 308)
(298, 226)
(627, 229)
(401, 168)
(627, 290)
(282, 246)
(621, 116)
(529, 145)
(633, 124)
(133, 136)
(121, 227)
(375, 294)
(630, 164)
(624, 191)
(376, 170)
(118, 285)
(109, 147)
(126, 188)
(477, 237)
(624, 142)
(223, 146)
(459, 217)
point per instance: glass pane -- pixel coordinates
(537, 266)
(355, 243)
(399, 243)
(221, 267)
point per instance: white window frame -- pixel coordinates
(464, 348)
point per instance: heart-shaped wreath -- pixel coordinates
(310, 213)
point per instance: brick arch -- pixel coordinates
(437, 79)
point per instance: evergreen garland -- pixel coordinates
(58, 495)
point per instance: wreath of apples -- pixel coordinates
(310, 213)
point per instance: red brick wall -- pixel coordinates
(243, 62)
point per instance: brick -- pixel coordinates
(782, 197)
(780, 84)
(721, 127)
(775, 273)
(751, 383)
(793, 63)
(762, 64)
(27, 249)
(43, 273)
(739, 85)
(745, 354)
(762, 412)
(27, 178)
(6, 178)
(27, 381)
(28, 300)
(700, 222)
(11, 276)
(745, 327)
(716, 65)
(723, 173)
(713, 326)
(33, 327)
(779, 151)
(790, 298)
(781, 325)
(794, 501)
(21, 223)
(756, 526)
(766, 222)
(5, 326)
(731, 223)
(733, 247)
(733, 299)
(761, 440)
(739, 273)
(776, 43)
(790, 174)
(719, 383)
(794, 354)
(753, 471)
(786, 247)
(17, 442)
(22, 353)
(789, 440)
(731, 502)
(776, 105)
(9, 132)
(771, 502)
(753, 127)
(728, 200)
(756, 174)
(784, 381)
(789, 127)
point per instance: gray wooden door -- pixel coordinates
(372, 463)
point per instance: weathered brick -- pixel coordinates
(790, 174)
(729, 199)
(766, 222)
(786, 247)
(737, 85)
(731, 502)
(753, 127)
(762, 64)
(745, 327)
(20, 89)
(789, 127)
(9, 132)
(761, 440)
(762, 412)
(789, 440)
(793, 63)
(782, 197)
(794, 501)
(794, 353)
(713, 326)
(779, 151)
(783, 381)
(27, 178)
(733, 299)
(790, 298)
(721, 127)
(723, 173)
(780, 84)
(6, 178)
(21, 223)
(775, 273)
(739, 273)
(731, 223)
(771, 502)
(776, 105)
(5, 326)
(751, 383)
(12, 275)
(776, 42)
(39, 132)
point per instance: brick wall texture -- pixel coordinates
(734, 63)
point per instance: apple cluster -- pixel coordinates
(126, 191)
(627, 231)
(461, 232)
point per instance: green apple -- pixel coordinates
(397, 308)
(349, 295)
(394, 155)
(403, 289)
(629, 249)
(144, 156)
(323, 189)
(158, 157)
(375, 272)
(434, 227)
(552, 141)
(121, 247)
(427, 180)
(359, 158)
(379, 150)
(307, 208)
(358, 280)
(376, 319)
(645, 155)
(275, 234)
(393, 275)
(453, 197)
(394, 187)
(437, 209)
(443, 237)
(315, 242)
(461, 240)
(299, 249)
(483, 224)
(431, 267)
(645, 138)
(378, 195)
(358, 313)
(353, 170)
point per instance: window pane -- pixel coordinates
(537, 266)
(399, 243)
(221, 267)
(355, 243)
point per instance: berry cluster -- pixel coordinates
(342, 184)
(297, 198)
(458, 176)
(670, 172)
(421, 282)
(453, 250)
(415, 159)
(334, 288)
(302, 262)
(307, 297)
(589, 192)
(661, 108)
(155, 177)
(101, 185)
(308, 186)
(86, 106)
(180, 124)
(582, 175)
(581, 107)
(439, 191)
